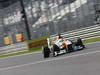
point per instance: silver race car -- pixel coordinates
(71, 47)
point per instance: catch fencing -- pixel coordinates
(83, 33)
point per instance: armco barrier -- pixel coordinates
(14, 47)
(86, 32)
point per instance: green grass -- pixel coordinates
(18, 53)
(95, 39)
(35, 49)
(39, 49)
(13, 54)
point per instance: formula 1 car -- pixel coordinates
(54, 51)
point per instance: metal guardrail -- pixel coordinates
(83, 33)
(86, 32)
(14, 47)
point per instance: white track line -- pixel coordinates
(59, 58)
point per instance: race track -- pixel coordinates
(85, 62)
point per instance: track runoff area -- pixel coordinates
(85, 62)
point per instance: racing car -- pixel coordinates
(71, 47)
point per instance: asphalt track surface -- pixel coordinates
(85, 62)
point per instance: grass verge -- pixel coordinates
(17, 53)
(95, 39)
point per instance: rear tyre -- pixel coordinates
(79, 43)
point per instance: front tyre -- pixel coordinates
(46, 52)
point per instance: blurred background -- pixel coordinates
(29, 19)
